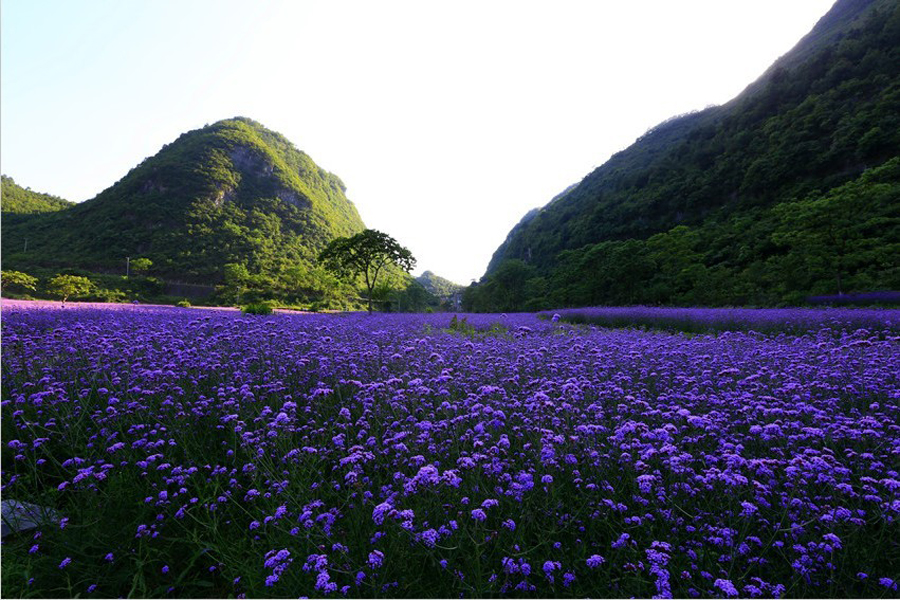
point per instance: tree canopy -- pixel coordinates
(64, 286)
(365, 255)
(18, 279)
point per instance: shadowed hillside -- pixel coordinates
(689, 213)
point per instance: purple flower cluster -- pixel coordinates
(398, 456)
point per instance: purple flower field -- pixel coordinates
(710, 320)
(195, 453)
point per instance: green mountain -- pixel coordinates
(16, 200)
(703, 207)
(230, 193)
(437, 285)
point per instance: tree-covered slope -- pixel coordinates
(823, 114)
(231, 192)
(16, 200)
(437, 285)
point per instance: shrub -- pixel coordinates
(183, 303)
(259, 308)
(105, 295)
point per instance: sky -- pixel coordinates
(447, 121)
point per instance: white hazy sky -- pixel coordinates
(446, 120)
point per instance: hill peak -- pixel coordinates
(232, 191)
(25, 201)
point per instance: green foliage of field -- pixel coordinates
(688, 213)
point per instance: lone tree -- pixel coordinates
(366, 254)
(69, 285)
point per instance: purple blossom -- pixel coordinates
(430, 537)
(380, 511)
(595, 560)
(748, 509)
(727, 587)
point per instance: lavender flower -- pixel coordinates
(595, 560)
(727, 587)
(682, 436)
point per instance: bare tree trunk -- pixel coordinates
(370, 286)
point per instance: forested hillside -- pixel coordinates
(16, 200)
(232, 199)
(437, 285)
(714, 207)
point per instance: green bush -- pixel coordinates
(183, 303)
(259, 308)
(106, 295)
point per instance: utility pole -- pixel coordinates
(127, 266)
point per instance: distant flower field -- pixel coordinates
(711, 320)
(195, 453)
